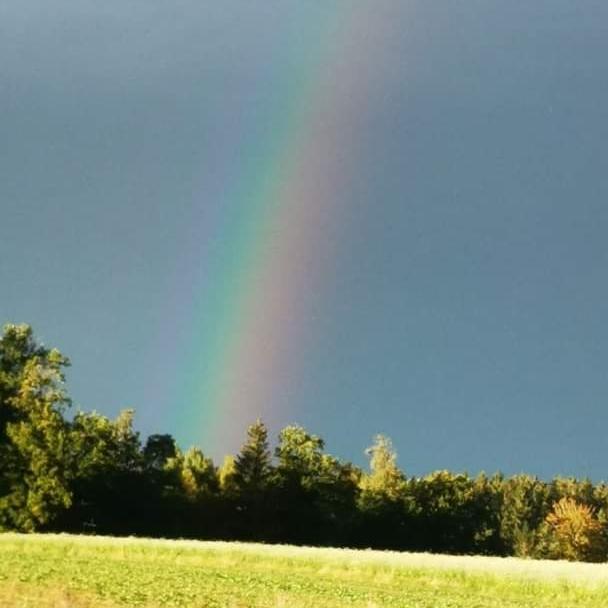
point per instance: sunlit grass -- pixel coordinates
(85, 572)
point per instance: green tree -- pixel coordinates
(112, 489)
(300, 457)
(17, 347)
(524, 506)
(580, 490)
(316, 493)
(100, 446)
(485, 514)
(455, 512)
(158, 450)
(33, 433)
(253, 465)
(197, 475)
(246, 481)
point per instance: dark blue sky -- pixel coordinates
(466, 315)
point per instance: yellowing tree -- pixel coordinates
(385, 478)
(575, 530)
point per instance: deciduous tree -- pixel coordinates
(33, 432)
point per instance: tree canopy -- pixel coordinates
(89, 473)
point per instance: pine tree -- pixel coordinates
(247, 482)
(253, 466)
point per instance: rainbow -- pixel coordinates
(273, 247)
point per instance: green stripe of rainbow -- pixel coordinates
(252, 316)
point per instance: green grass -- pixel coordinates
(84, 572)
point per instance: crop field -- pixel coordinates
(60, 571)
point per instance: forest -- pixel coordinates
(83, 472)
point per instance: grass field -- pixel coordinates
(84, 572)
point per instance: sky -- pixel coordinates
(361, 217)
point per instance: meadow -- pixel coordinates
(62, 571)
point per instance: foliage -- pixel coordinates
(525, 503)
(158, 450)
(385, 481)
(226, 474)
(108, 479)
(314, 496)
(383, 504)
(33, 435)
(100, 445)
(456, 513)
(91, 473)
(300, 456)
(252, 466)
(576, 533)
(196, 473)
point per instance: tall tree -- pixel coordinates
(253, 465)
(382, 499)
(316, 492)
(300, 456)
(525, 504)
(17, 347)
(246, 482)
(33, 432)
(385, 480)
(112, 489)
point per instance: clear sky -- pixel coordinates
(386, 216)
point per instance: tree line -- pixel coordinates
(88, 473)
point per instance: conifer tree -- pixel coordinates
(252, 465)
